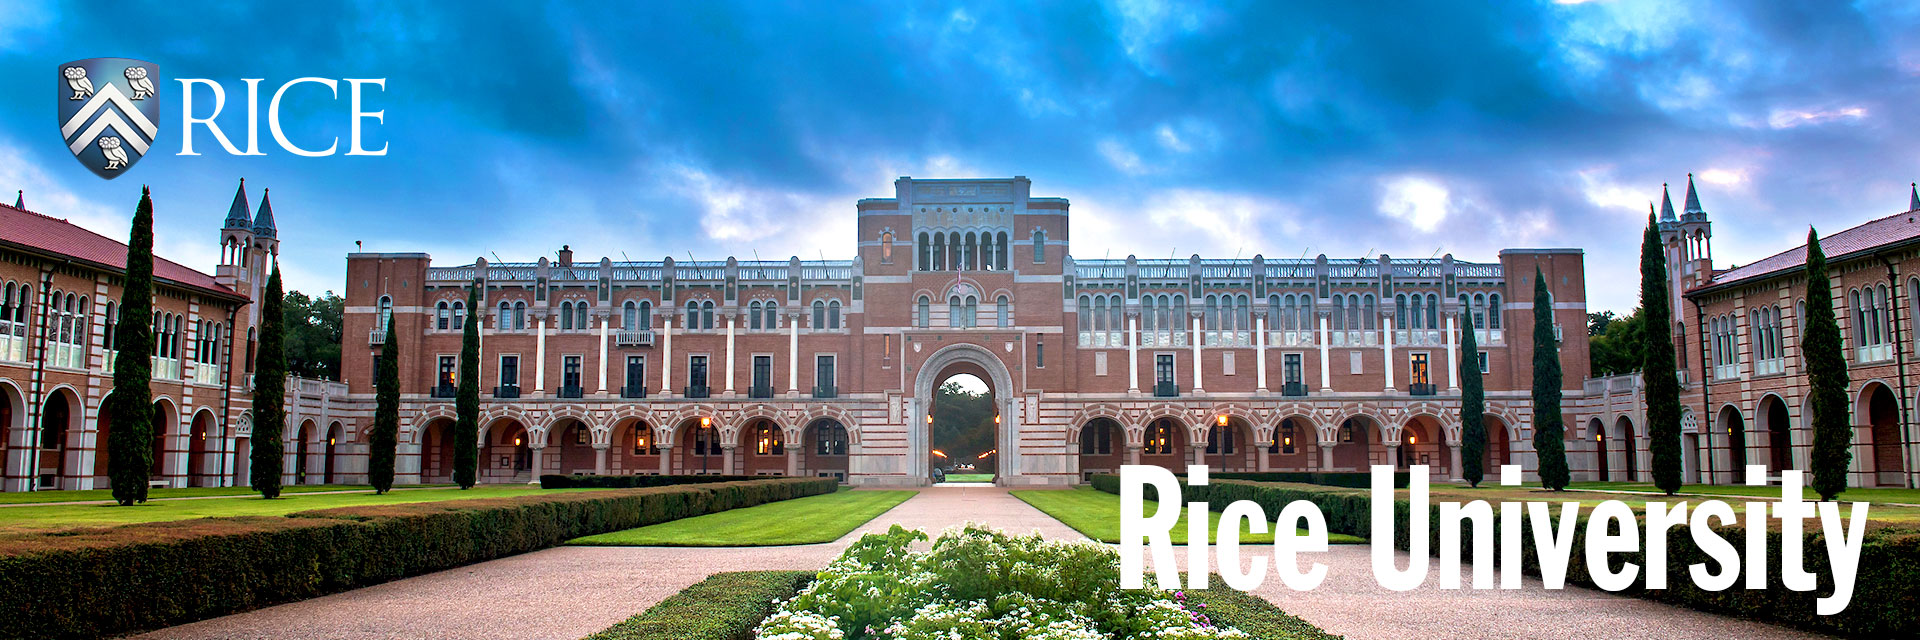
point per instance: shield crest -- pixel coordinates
(108, 110)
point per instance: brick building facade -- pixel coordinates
(1744, 383)
(827, 367)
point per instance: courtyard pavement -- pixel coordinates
(566, 593)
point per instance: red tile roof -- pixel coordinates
(48, 235)
(1895, 229)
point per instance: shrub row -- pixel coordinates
(1110, 483)
(725, 606)
(1229, 607)
(1885, 595)
(99, 582)
(555, 481)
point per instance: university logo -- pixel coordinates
(108, 107)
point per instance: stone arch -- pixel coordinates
(203, 445)
(760, 411)
(1350, 411)
(835, 413)
(562, 413)
(1629, 439)
(58, 436)
(1090, 412)
(425, 417)
(970, 358)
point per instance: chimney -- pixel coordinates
(566, 256)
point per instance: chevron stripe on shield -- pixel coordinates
(108, 108)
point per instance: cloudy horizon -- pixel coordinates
(750, 129)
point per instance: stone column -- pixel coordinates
(1260, 362)
(1326, 453)
(1326, 371)
(600, 458)
(666, 366)
(729, 388)
(666, 460)
(726, 455)
(1453, 355)
(1133, 354)
(539, 451)
(1386, 347)
(540, 355)
(1454, 474)
(1133, 454)
(603, 355)
(793, 455)
(1197, 386)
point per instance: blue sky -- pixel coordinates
(1220, 128)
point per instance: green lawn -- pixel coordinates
(970, 477)
(1875, 495)
(1096, 514)
(68, 516)
(809, 520)
(37, 497)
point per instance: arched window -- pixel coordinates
(923, 313)
(1004, 311)
(1493, 311)
(772, 312)
(1339, 313)
(973, 312)
(970, 255)
(833, 314)
(886, 247)
(1100, 313)
(1212, 321)
(1001, 255)
(520, 315)
(1371, 313)
(706, 314)
(1479, 311)
(925, 248)
(441, 315)
(753, 315)
(1147, 310)
(953, 312)
(386, 313)
(646, 315)
(986, 252)
(940, 252)
(113, 326)
(1086, 313)
(819, 315)
(1400, 311)
(1113, 314)
(1039, 246)
(629, 315)
(459, 315)
(505, 321)
(580, 315)
(566, 315)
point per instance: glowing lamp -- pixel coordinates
(1597, 437)
(1288, 441)
(929, 418)
(996, 419)
(1413, 439)
(1220, 419)
(329, 440)
(705, 422)
(516, 441)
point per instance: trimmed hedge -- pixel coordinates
(1226, 606)
(1110, 483)
(556, 481)
(99, 582)
(725, 606)
(1886, 590)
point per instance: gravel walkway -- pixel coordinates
(568, 592)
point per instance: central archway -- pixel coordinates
(976, 360)
(964, 428)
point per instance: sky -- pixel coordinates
(1227, 129)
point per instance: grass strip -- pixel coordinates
(725, 606)
(1096, 514)
(809, 520)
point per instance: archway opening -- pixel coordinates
(1353, 444)
(825, 447)
(436, 452)
(964, 425)
(163, 416)
(54, 419)
(765, 444)
(1883, 422)
(1423, 441)
(576, 447)
(1773, 419)
(1499, 449)
(1629, 463)
(1735, 426)
(102, 427)
(699, 445)
(200, 459)
(636, 450)
(8, 413)
(506, 455)
(1102, 446)
(330, 458)
(1289, 450)
(1230, 445)
(242, 461)
(1598, 431)
(301, 441)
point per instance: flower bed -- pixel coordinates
(979, 584)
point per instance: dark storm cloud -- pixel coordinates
(1250, 127)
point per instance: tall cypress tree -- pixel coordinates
(130, 438)
(270, 392)
(386, 413)
(1549, 430)
(1827, 378)
(1473, 410)
(466, 422)
(1658, 366)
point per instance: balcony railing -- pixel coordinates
(825, 391)
(1295, 389)
(633, 391)
(1421, 389)
(760, 391)
(638, 338)
(702, 391)
(1166, 390)
(442, 390)
(376, 337)
(507, 391)
(570, 391)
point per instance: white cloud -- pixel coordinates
(1790, 118)
(1598, 185)
(1171, 139)
(1723, 177)
(1122, 158)
(1418, 200)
